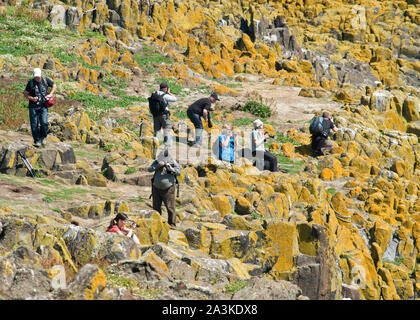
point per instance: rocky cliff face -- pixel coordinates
(347, 226)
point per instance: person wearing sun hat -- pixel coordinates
(257, 147)
(36, 91)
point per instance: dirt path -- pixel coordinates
(34, 196)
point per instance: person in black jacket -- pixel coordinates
(36, 92)
(321, 145)
(201, 108)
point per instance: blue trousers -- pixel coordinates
(38, 117)
(196, 120)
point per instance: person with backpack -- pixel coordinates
(201, 109)
(258, 150)
(319, 128)
(159, 107)
(166, 170)
(36, 91)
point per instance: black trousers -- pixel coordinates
(270, 159)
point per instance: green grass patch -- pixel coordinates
(234, 287)
(97, 105)
(180, 114)
(150, 57)
(64, 194)
(283, 139)
(288, 164)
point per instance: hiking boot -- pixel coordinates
(43, 143)
(37, 144)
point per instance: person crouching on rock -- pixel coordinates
(163, 184)
(118, 225)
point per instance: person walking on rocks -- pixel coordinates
(258, 150)
(197, 110)
(118, 225)
(36, 92)
(166, 170)
(162, 117)
(320, 144)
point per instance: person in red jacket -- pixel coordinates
(118, 225)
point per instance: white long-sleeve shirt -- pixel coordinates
(167, 97)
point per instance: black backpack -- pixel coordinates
(157, 104)
(316, 126)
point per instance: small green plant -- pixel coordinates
(331, 190)
(47, 199)
(138, 199)
(130, 170)
(119, 281)
(255, 215)
(258, 109)
(234, 287)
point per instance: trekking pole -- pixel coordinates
(27, 164)
(141, 128)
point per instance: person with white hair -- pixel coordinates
(36, 91)
(257, 147)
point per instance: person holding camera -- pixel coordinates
(118, 225)
(227, 144)
(197, 110)
(36, 91)
(320, 144)
(257, 147)
(166, 170)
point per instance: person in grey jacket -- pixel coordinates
(163, 121)
(163, 186)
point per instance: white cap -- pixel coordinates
(257, 123)
(37, 72)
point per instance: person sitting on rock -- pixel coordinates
(163, 184)
(258, 150)
(227, 144)
(320, 144)
(118, 225)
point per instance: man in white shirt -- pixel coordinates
(163, 121)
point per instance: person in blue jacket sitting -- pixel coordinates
(227, 144)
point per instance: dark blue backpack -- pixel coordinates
(316, 126)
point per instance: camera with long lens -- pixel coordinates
(269, 136)
(132, 223)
